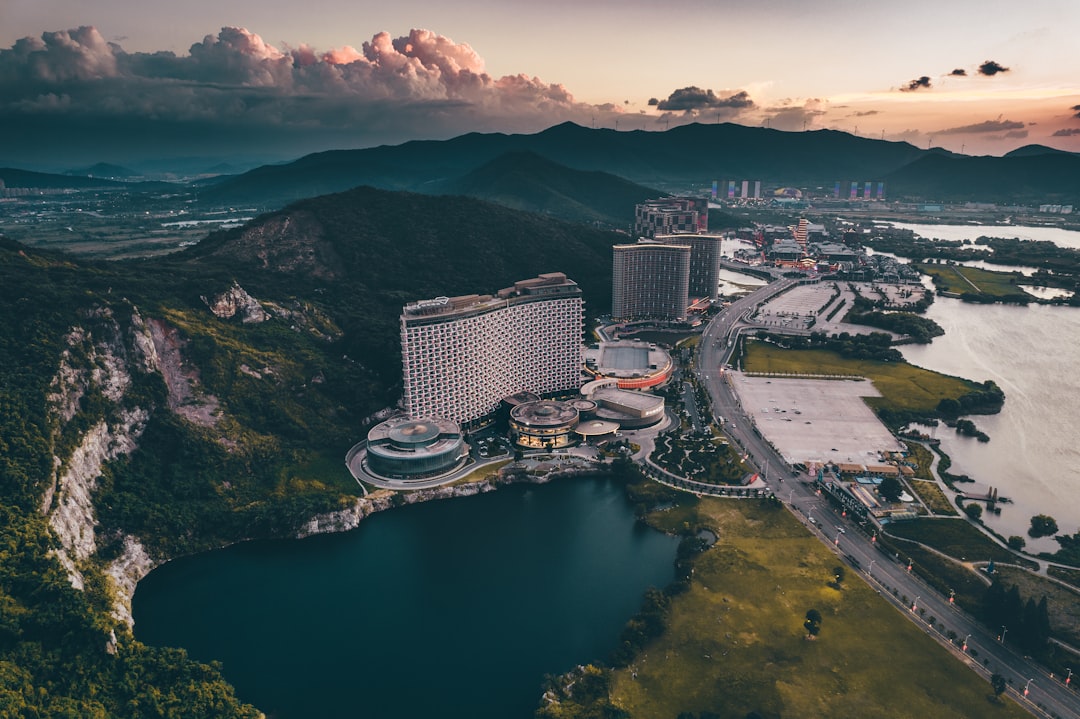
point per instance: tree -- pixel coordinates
(890, 489)
(1016, 542)
(998, 683)
(973, 511)
(839, 573)
(812, 623)
(1043, 525)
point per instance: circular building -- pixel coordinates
(403, 447)
(632, 363)
(544, 424)
(631, 410)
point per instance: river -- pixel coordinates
(453, 608)
(1033, 456)
(1057, 235)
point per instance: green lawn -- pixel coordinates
(903, 386)
(955, 537)
(932, 496)
(735, 643)
(960, 279)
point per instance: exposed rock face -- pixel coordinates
(350, 517)
(69, 500)
(186, 397)
(236, 301)
(125, 571)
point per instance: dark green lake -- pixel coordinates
(449, 609)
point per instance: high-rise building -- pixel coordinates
(705, 253)
(671, 215)
(462, 355)
(650, 280)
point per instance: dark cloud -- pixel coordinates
(653, 102)
(693, 99)
(991, 68)
(1067, 132)
(998, 125)
(865, 113)
(233, 84)
(958, 72)
(917, 84)
(1015, 135)
(1076, 109)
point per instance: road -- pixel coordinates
(1048, 695)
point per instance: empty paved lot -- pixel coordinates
(811, 420)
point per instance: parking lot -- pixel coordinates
(810, 420)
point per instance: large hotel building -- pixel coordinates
(671, 215)
(462, 355)
(650, 280)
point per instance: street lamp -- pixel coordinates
(1027, 686)
(964, 647)
(870, 571)
(915, 604)
(1003, 630)
(837, 540)
(1068, 678)
(952, 595)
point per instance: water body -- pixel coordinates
(1033, 455)
(739, 283)
(1060, 237)
(453, 608)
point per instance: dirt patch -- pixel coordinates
(186, 396)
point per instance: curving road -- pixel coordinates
(1048, 696)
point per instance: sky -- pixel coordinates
(118, 80)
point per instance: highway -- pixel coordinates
(1048, 696)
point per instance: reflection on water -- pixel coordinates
(1033, 456)
(1060, 237)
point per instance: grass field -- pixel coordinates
(485, 472)
(1072, 576)
(960, 279)
(924, 459)
(956, 538)
(1062, 603)
(932, 496)
(903, 386)
(735, 643)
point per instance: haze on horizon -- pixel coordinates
(119, 81)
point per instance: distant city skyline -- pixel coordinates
(115, 80)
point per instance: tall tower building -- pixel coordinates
(462, 355)
(651, 280)
(705, 253)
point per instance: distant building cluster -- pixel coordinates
(671, 215)
(1056, 209)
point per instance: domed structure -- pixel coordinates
(404, 447)
(543, 424)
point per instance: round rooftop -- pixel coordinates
(544, 413)
(414, 432)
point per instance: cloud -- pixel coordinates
(693, 99)
(865, 113)
(791, 117)
(1067, 132)
(235, 85)
(991, 68)
(958, 72)
(998, 125)
(916, 84)
(1076, 109)
(1015, 135)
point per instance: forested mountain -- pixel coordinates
(1021, 178)
(156, 408)
(684, 155)
(527, 181)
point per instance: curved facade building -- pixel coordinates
(403, 447)
(547, 424)
(462, 356)
(650, 280)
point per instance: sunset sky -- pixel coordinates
(113, 80)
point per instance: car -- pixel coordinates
(841, 530)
